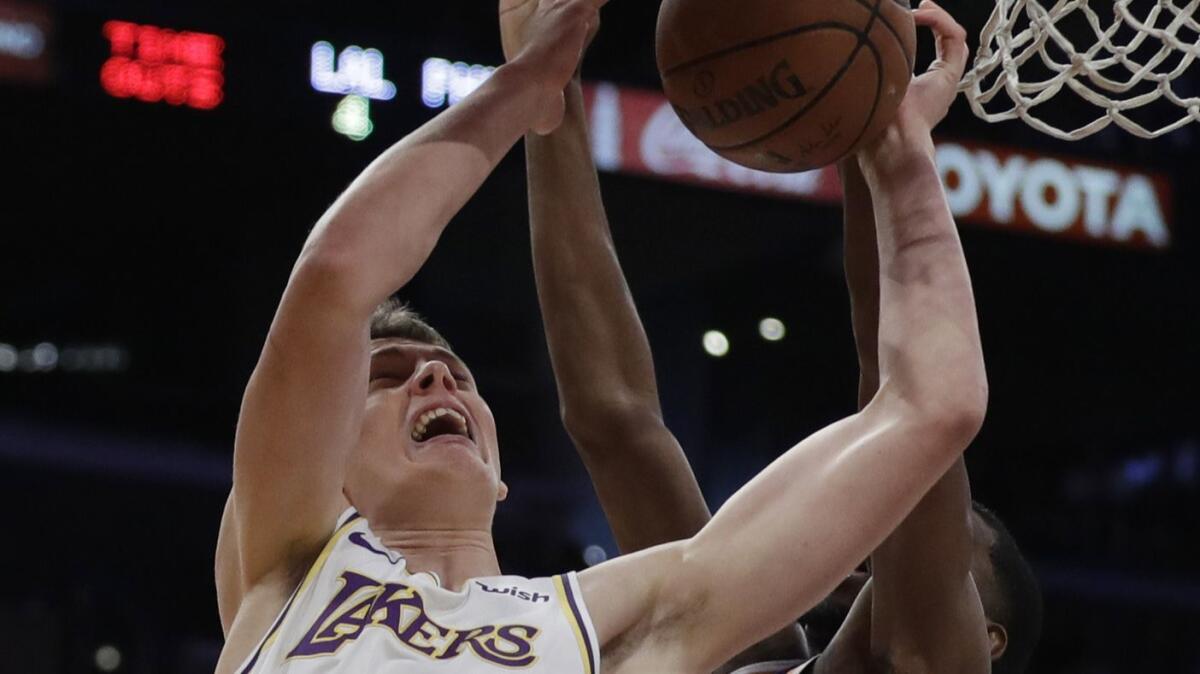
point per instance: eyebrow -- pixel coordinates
(437, 352)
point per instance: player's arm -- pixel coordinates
(602, 361)
(921, 611)
(228, 570)
(924, 610)
(788, 537)
(302, 407)
(862, 274)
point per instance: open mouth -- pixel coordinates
(441, 421)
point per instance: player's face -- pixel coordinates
(428, 437)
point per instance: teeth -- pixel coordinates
(425, 419)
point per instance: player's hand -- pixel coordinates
(547, 39)
(930, 94)
(513, 16)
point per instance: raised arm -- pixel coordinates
(303, 405)
(862, 274)
(921, 611)
(602, 361)
(787, 538)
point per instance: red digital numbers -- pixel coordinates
(155, 64)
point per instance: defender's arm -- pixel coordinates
(602, 361)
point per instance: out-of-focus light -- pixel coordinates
(352, 118)
(716, 343)
(24, 40)
(358, 71)
(155, 64)
(93, 359)
(8, 358)
(594, 554)
(45, 357)
(1187, 465)
(108, 658)
(1138, 473)
(772, 329)
(446, 83)
(605, 127)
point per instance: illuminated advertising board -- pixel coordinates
(636, 131)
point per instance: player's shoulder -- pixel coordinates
(260, 604)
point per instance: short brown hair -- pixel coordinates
(393, 319)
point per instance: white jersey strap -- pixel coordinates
(570, 598)
(346, 516)
(780, 667)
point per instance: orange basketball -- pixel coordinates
(785, 85)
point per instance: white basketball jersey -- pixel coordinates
(360, 611)
(781, 667)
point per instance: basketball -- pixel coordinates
(785, 86)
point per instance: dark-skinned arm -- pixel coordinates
(601, 358)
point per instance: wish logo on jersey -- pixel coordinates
(364, 602)
(514, 591)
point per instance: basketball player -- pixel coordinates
(924, 610)
(407, 580)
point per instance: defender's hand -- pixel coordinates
(546, 38)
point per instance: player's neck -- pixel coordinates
(455, 555)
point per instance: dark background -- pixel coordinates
(170, 233)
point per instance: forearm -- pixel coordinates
(929, 347)
(926, 562)
(862, 274)
(601, 357)
(932, 548)
(379, 233)
(602, 360)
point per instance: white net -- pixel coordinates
(1122, 64)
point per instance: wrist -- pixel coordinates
(905, 182)
(899, 150)
(523, 83)
(573, 124)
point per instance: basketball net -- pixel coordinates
(1104, 73)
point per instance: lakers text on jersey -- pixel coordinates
(359, 609)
